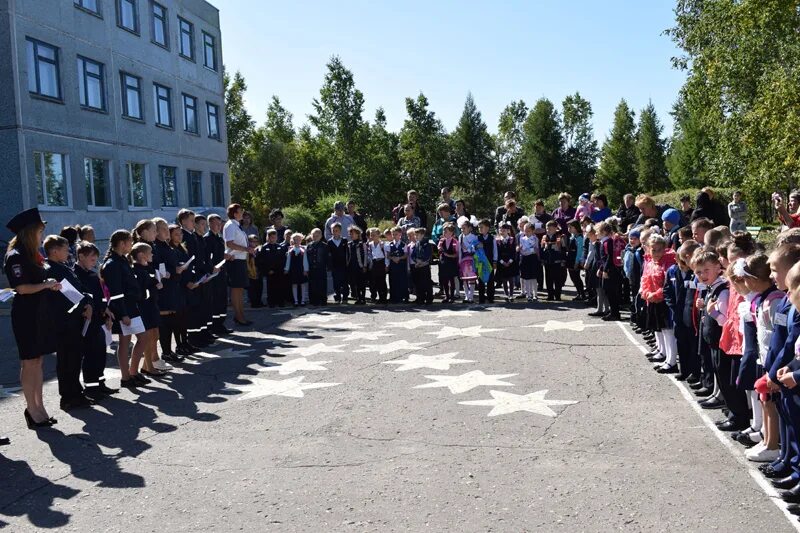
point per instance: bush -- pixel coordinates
(673, 198)
(300, 218)
(323, 207)
(382, 225)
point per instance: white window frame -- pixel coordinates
(129, 180)
(67, 178)
(91, 202)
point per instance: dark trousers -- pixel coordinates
(635, 302)
(181, 329)
(486, 290)
(219, 293)
(276, 289)
(539, 274)
(357, 279)
(575, 276)
(792, 410)
(398, 282)
(706, 363)
(166, 328)
(255, 292)
(318, 286)
(377, 281)
(612, 287)
(555, 274)
(727, 368)
(94, 355)
(340, 289)
(68, 364)
(688, 360)
(625, 289)
(423, 283)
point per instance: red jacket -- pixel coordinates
(654, 274)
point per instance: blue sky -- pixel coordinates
(500, 51)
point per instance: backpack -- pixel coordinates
(619, 245)
(627, 262)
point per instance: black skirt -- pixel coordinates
(150, 313)
(657, 316)
(529, 266)
(448, 267)
(237, 274)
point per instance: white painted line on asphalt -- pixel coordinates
(726, 441)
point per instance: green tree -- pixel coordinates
(581, 151)
(510, 137)
(651, 164)
(472, 158)
(686, 159)
(240, 129)
(381, 188)
(424, 161)
(617, 174)
(543, 149)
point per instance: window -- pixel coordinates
(217, 190)
(52, 187)
(131, 96)
(213, 120)
(187, 38)
(160, 34)
(169, 186)
(43, 75)
(98, 185)
(90, 78)
(128, 15)
(88, 5)
(189, 113)
(163, 98)
(195, 187)
(137, 185)
(209, 52)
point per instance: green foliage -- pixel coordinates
(686, 158)
(323, 207)
(300, 218)
(543, 148)
(510, 136)
(472, 157)
(617, 173)
(423, 151)
(381, 188)
(651, 162)
(581, 151)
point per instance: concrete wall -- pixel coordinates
(43, 125)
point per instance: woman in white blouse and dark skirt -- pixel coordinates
(237, 248)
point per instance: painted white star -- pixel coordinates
(270, 336)
(342, 325)
(556, 325)
(292, 387)
(295, 365)
(313, 349)
(414, 323)
(506, 402)
(316, 318)
(391, 347)
(467, 382)
(435, 362)
(450, 313)
(473, 331)
(364, 335)
(228, 353)
(235, 343)
(9, 392)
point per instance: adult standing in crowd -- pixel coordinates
(539, 218)
(686, 209)
(409, 221)
(512, 214)
(447, 199)
(789, 215)
(461, 210)
(564, 212)
(237, 246)
(501, 210)
(627, 213)
(342, 218)
(719, 210)
(30, 320)
(413, 200)
(706, 209)
(737, 211)
(247, 224)
(601, 209)
(276, 222)
(358, 218)
(649, 209)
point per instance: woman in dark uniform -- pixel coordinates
(24, 267)
(165, 263)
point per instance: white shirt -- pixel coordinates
(232, 231)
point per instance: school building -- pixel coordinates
(110, 111)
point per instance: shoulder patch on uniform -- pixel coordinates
(16, 270)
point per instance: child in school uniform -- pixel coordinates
(659, 317)
(411, 238)
(554, 261)
(575, 258)
(467, 243)
(448, 262)
(445, 215)
(255, 291)
(488, 243)
(165, 263)
(398, 268)
(337, 251)
(357, 265)
(94, 341)
(528, 260)
(296, 268)
(68, 323)
(317, 252)
(507, 266)
(142, 257)
(421, 255)
(184, 276)
(632, 263)
(270, 259)
(379, 262)
(676, 294)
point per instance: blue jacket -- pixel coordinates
(781, 346)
